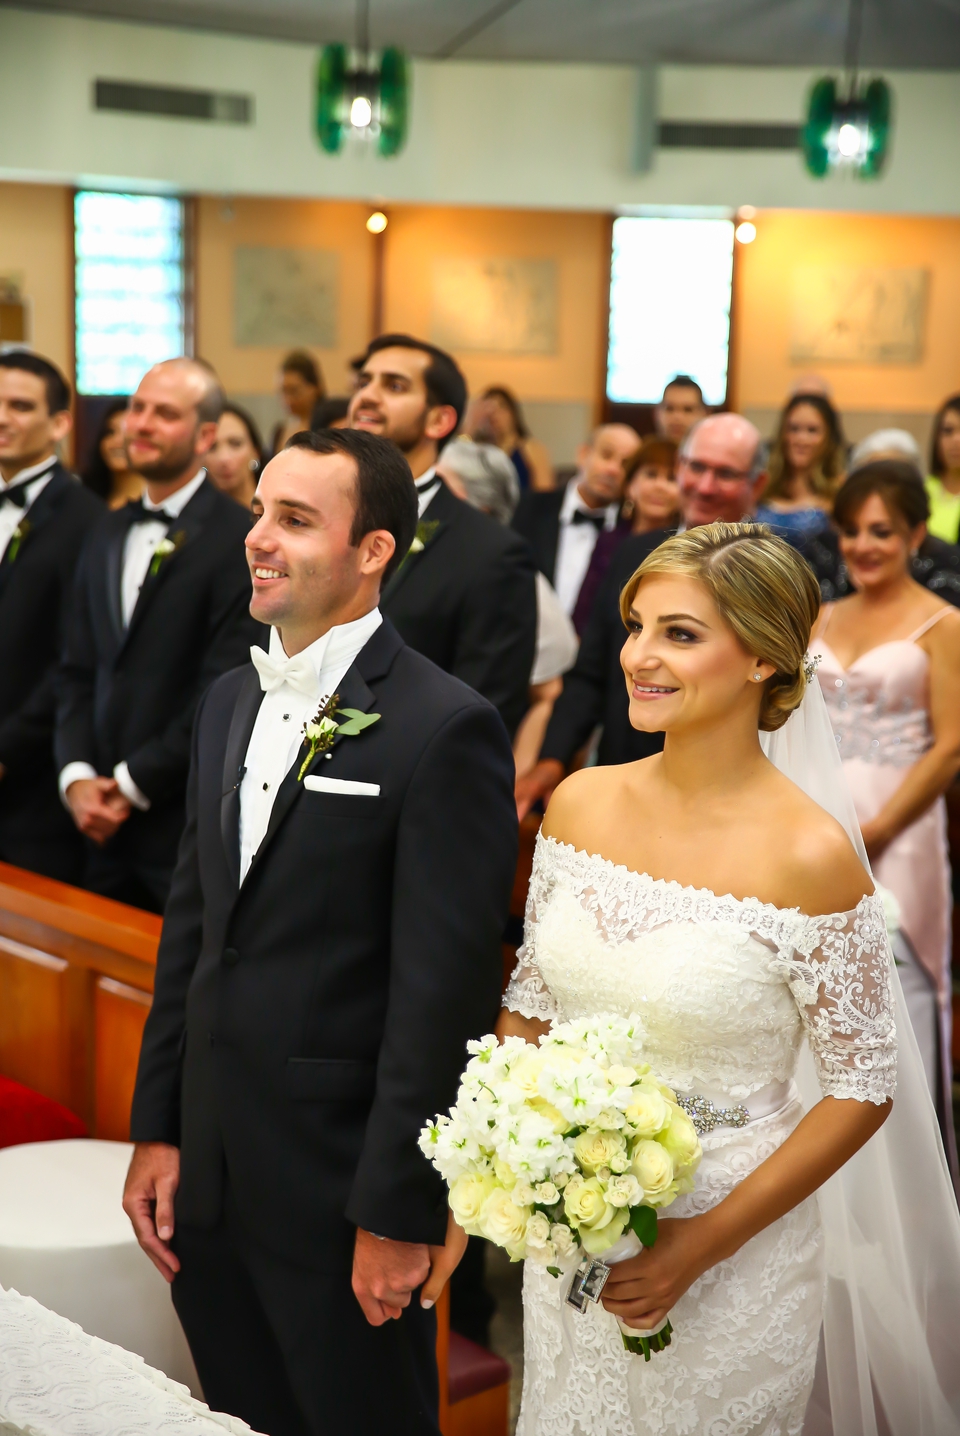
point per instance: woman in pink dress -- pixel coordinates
(890, 673)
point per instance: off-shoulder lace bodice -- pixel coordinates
(725, 989)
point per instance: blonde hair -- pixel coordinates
(764, 591)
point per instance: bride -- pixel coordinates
(705, 892)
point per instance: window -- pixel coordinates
(130, 308)
(670, 285)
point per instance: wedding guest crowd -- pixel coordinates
(107, 472)
(497, 418)
(301, 389)
(236, 458)
(943, 481)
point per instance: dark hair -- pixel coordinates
(298, 361)
(442, 378)
(97, 474)
(249, 423)
(828, 469)
(655, 449)
(937, 465)
(386, 494)
(683, 381)
(894, 481)
(496, 391)
(327, 411)
(58, 390)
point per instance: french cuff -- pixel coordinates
(129, 789)
(72, 773)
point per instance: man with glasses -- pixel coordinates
(721, 476)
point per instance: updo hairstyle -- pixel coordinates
(895, 481)
(763, 590)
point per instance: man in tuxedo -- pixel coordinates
(160, 609)
(331, 942)
(562, 525)
(465, 596)
(721, 473)
(44, 515)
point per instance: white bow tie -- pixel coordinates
(297, 672)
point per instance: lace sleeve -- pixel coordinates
(527, 993)
(839, 974)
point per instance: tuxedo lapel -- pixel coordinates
(182, 532)
(113, 573)
(238, 738)
(440, 511)
(39, 513)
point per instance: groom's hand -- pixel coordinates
(148, 1195)
(386, 1274)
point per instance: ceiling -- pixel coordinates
(897, 34)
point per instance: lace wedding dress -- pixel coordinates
(726, 991)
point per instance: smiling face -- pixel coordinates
(391, 399)
(163, 434)
(233, 460)
(876, 543)
(684, 667)
(804, 437)
(655, 494)
(602, 463)
(29, 433)
(112, 449)
(716, 482)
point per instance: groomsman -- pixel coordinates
(160, 610)
(331, 942)
(465, 596)
(44, 516)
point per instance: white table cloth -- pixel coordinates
(66, 1241)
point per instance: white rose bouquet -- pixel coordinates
(563, 1153)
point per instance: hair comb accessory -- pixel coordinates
(810, 666)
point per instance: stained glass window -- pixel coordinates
(129, 287)
(670, 286)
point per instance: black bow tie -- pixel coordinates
(599, 521)
(138, 514)
(17, 495)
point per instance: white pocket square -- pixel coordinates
(342, 785)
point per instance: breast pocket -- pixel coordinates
(341, 806)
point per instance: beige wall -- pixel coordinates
(36, 249)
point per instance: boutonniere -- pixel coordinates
(320, 732)
(165, 548)
(426, 529)
(16, 540)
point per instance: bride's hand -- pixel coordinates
(644, 1289)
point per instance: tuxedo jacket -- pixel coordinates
(468, 601)
(538, 519)
(36, 591)
(131, 694)
(308, 1021)
(595, 691)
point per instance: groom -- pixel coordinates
(331, 941)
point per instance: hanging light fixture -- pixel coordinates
(361, 95)
(849, 131)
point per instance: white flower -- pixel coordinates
(619, 1076)
(504, 1223)
(538, 1231)
(563, 1239)
(598, 1149)
(653, 1168)
(647, 1113)
(523, 1194)
(164, 547)
(416, 546)
(467, 1196)
(316, 731)
(681, 1141)
(546, 1194)
(599, 1223)
(624, 1191)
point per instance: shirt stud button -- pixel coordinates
(286, 717)
(266, 787)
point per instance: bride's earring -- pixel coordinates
(758, 678)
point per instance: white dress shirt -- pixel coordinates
(427, 485)
(278, 731)
(138, 551)
(35, 479)
(576, 543)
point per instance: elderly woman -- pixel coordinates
(484, 476)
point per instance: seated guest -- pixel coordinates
(465, 594)
(651, 500)
(497, 418)
(563, 527)
(331, 413)
(943, 481)
(886, 444)
(721, 474)
(806, 465)
(44, 516)
(234, 462)
(107, 472)
(301, 389)
(160, 609)
(680, 408)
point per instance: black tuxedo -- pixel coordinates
(130, 695)
(538, 519)
(36, 589)
(594, 691)
(468, 601)
(306, 1024)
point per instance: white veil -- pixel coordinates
(892, 1229)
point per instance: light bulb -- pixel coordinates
(746, 233)
(361, 112)
(849, 140)
(377, 222)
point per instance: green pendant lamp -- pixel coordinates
(851, 131)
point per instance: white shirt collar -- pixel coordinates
(176, 502)
(426, 479)
(339, 646)
(572, 501)
(25, 475)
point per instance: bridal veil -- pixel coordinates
(888, 1361)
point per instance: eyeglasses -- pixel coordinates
(720, 472)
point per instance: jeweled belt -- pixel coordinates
(709, 1110)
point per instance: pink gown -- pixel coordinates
(879, 708)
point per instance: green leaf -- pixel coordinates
(554, 1271)
(356, 721)
(643, 1221)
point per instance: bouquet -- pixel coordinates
(564, 1151)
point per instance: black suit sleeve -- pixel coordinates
(455, 859)
(75, 736)
(497, 633)
(581, 705)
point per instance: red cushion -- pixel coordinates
(472, 1368)
(25, 1116)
